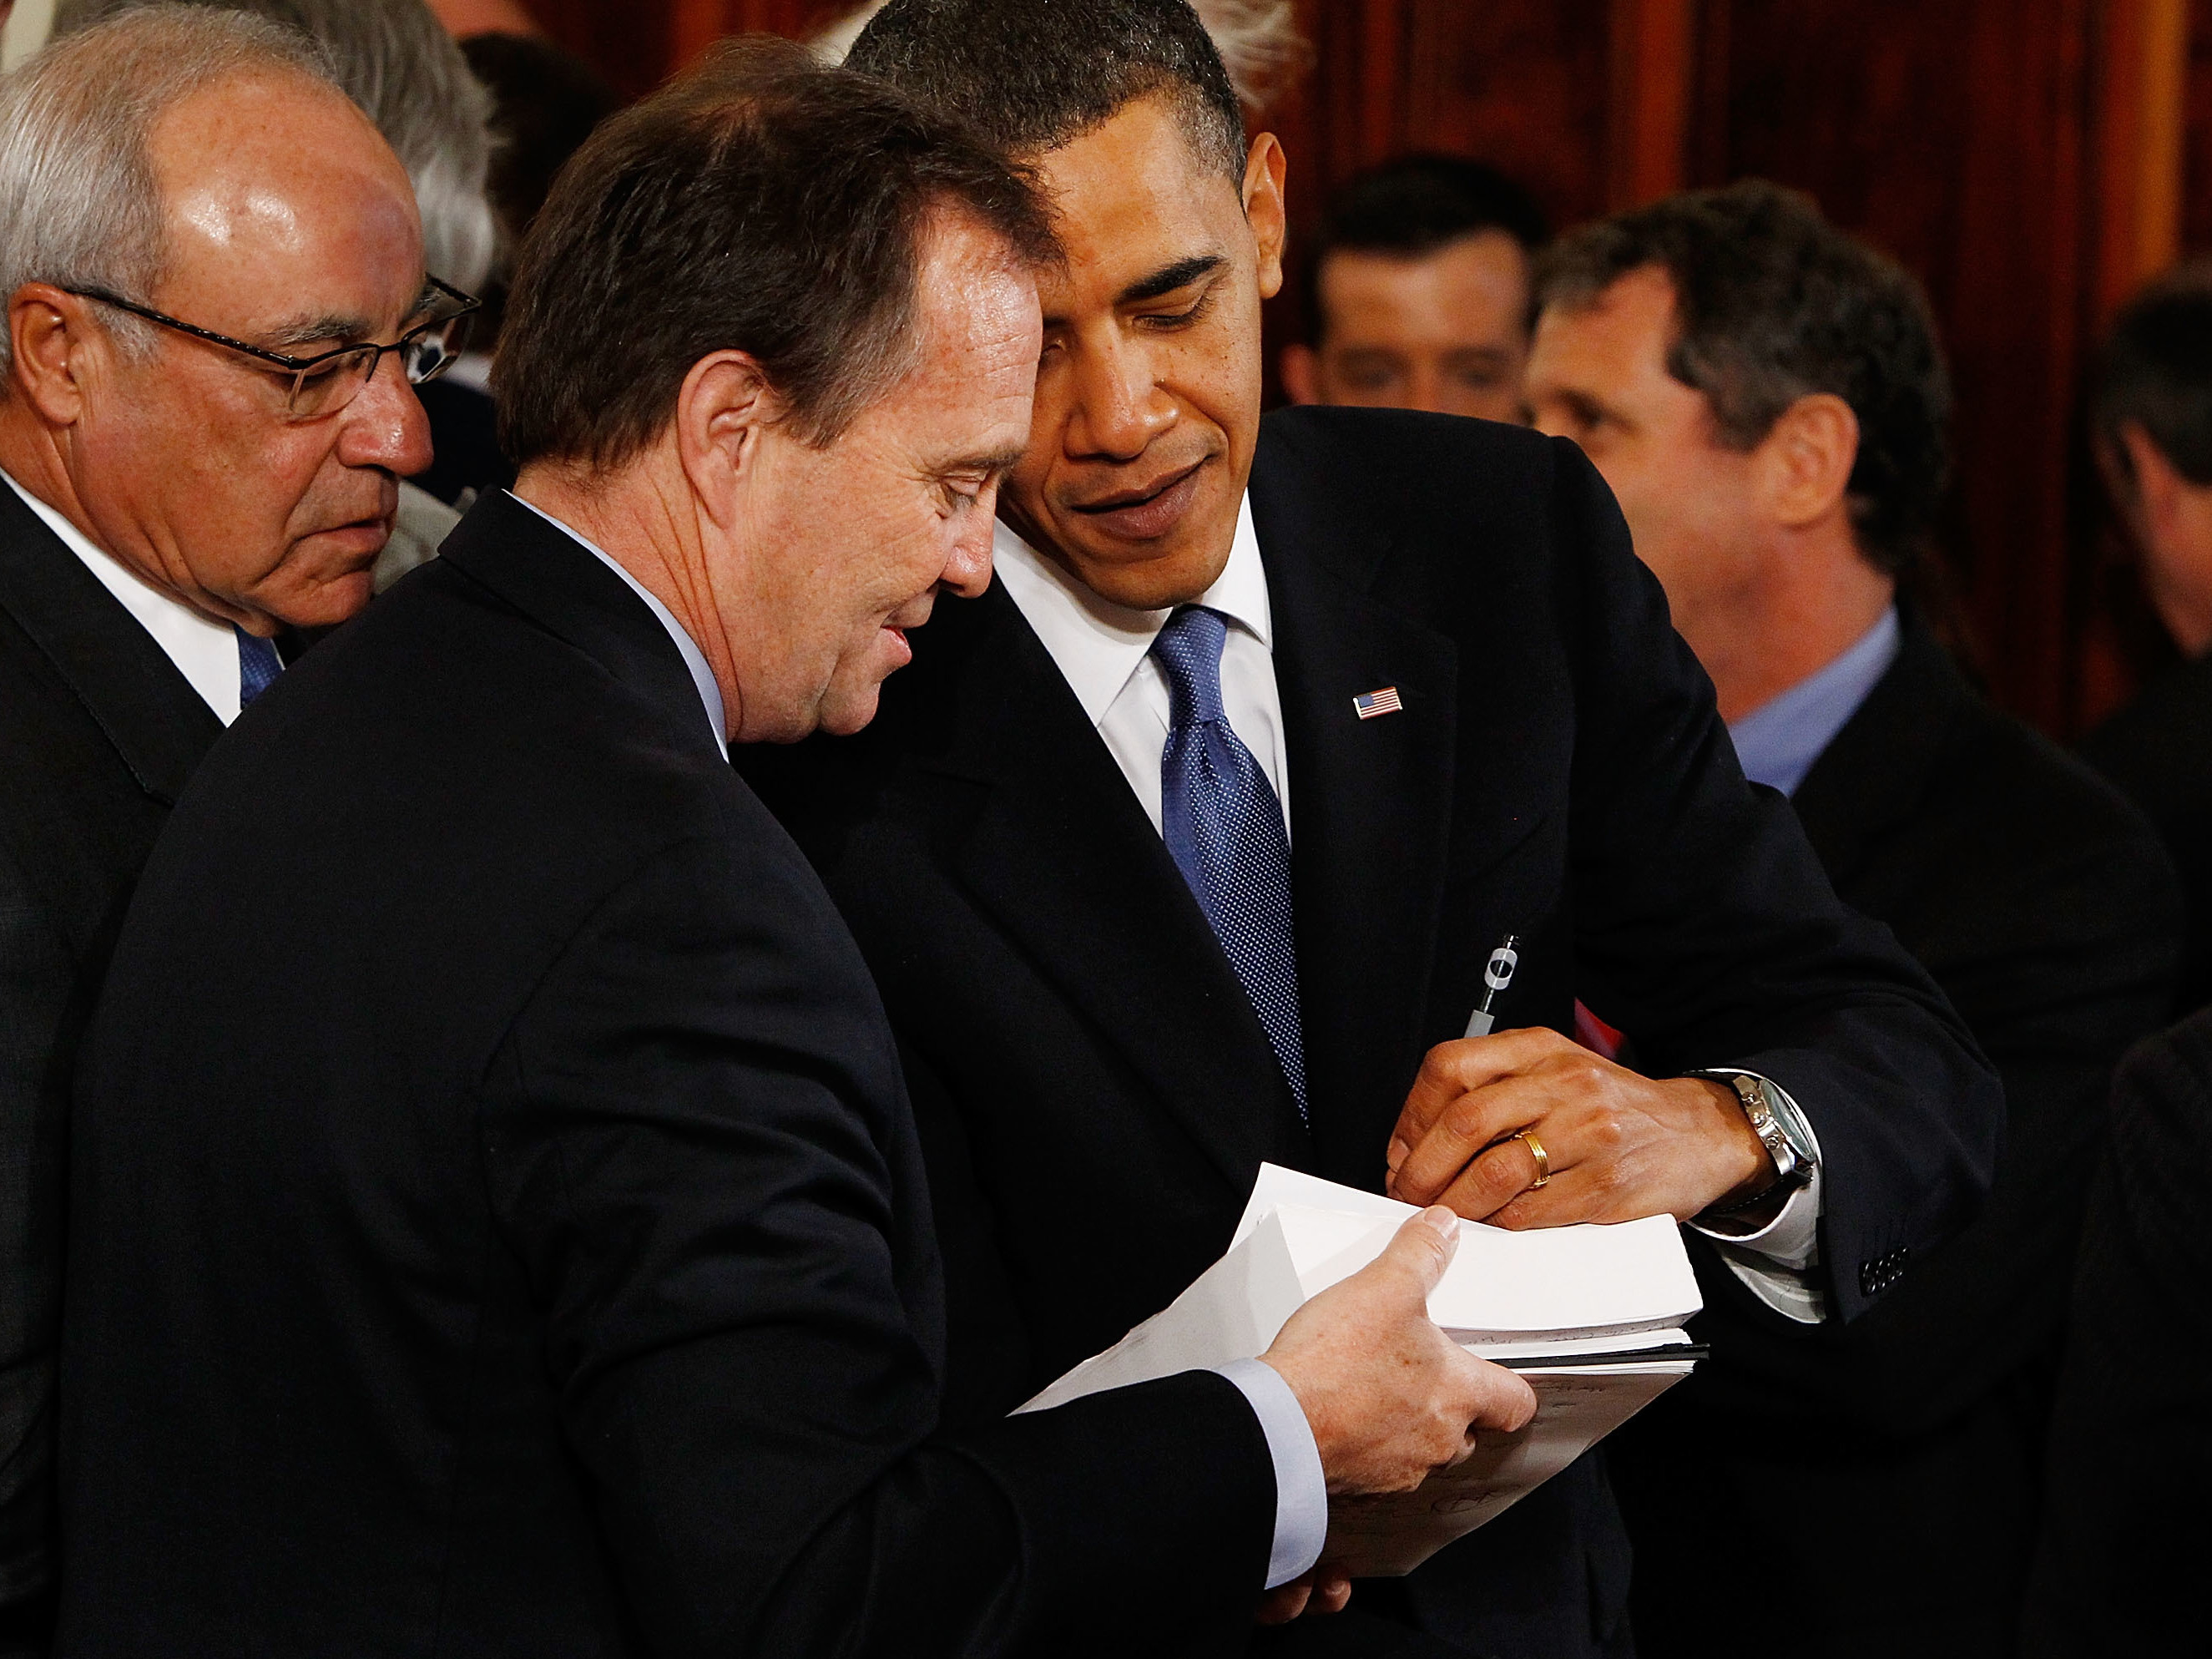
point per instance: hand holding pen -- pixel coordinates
(1525, 1127)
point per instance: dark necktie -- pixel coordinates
(258, 664)
(1224, 826)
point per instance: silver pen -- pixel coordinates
(1496, 974)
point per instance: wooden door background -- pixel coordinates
(2030, 160)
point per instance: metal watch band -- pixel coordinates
(1767, 1108)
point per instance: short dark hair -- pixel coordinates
(2155, 372)
(759, 202)
(1410, 208)
(1032, 76)
(1772, 303)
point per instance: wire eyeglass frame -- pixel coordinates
(324, 384)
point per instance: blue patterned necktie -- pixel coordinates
(1224, 826)
(258, 664)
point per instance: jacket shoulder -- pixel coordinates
(1408, 441)
(2063, 801)
(1926, 750)
(2156, 749)
(2176, 1063)
(1466, 508)
(442, 705)
(2050, 851)
(1405, 467)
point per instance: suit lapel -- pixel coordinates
(1060, 853)
(1370, 807)
(1875, 772)
(159, 726)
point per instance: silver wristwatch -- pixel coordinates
(1774, 1119)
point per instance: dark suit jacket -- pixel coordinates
(498, 1226)
(97, 733)
(2127, 1531)
(2159, 751)
(1084, 1061)
(2042, 904)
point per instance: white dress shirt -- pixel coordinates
(1103, 651)
(205, 651)
(1300, 1495)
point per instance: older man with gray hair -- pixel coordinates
(207, 254)
(395, 59)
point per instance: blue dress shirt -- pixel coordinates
(1779, 741)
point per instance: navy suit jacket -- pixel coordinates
(97, 733)
(1083, 1059)
(498, 1223)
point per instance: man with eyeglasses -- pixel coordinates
(214, 276)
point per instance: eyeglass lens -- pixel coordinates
(330, 386)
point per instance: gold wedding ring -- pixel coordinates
(1535, 1149)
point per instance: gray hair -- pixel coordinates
(1260, 45)
(395, 60)
(80, 206)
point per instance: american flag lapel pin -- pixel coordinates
(1369, 704)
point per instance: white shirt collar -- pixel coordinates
(205, 650)
(1099, 644)
(702, 676)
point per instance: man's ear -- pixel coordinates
(722, 412)
(2146, 485)
(1302, 374)
(1264, 210)
(1807, 459)
(47, 330)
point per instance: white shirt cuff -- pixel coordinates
(1790, 1240)
(1301, 1493)
(1776, 1260)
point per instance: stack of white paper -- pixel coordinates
(1591, 1315)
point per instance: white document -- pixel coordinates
(1502, 1285)
(1388, 1536)
(1558, 1294)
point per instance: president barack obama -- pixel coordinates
(1184, 847)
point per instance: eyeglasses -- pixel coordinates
(328, 382)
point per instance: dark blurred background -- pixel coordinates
(2030, 160)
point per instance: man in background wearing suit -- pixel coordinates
(1767, 399)
(1417, 292)
(1123, 973)
(171, 503)
(2151, 411)
(395, 59)
(498, 1224)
